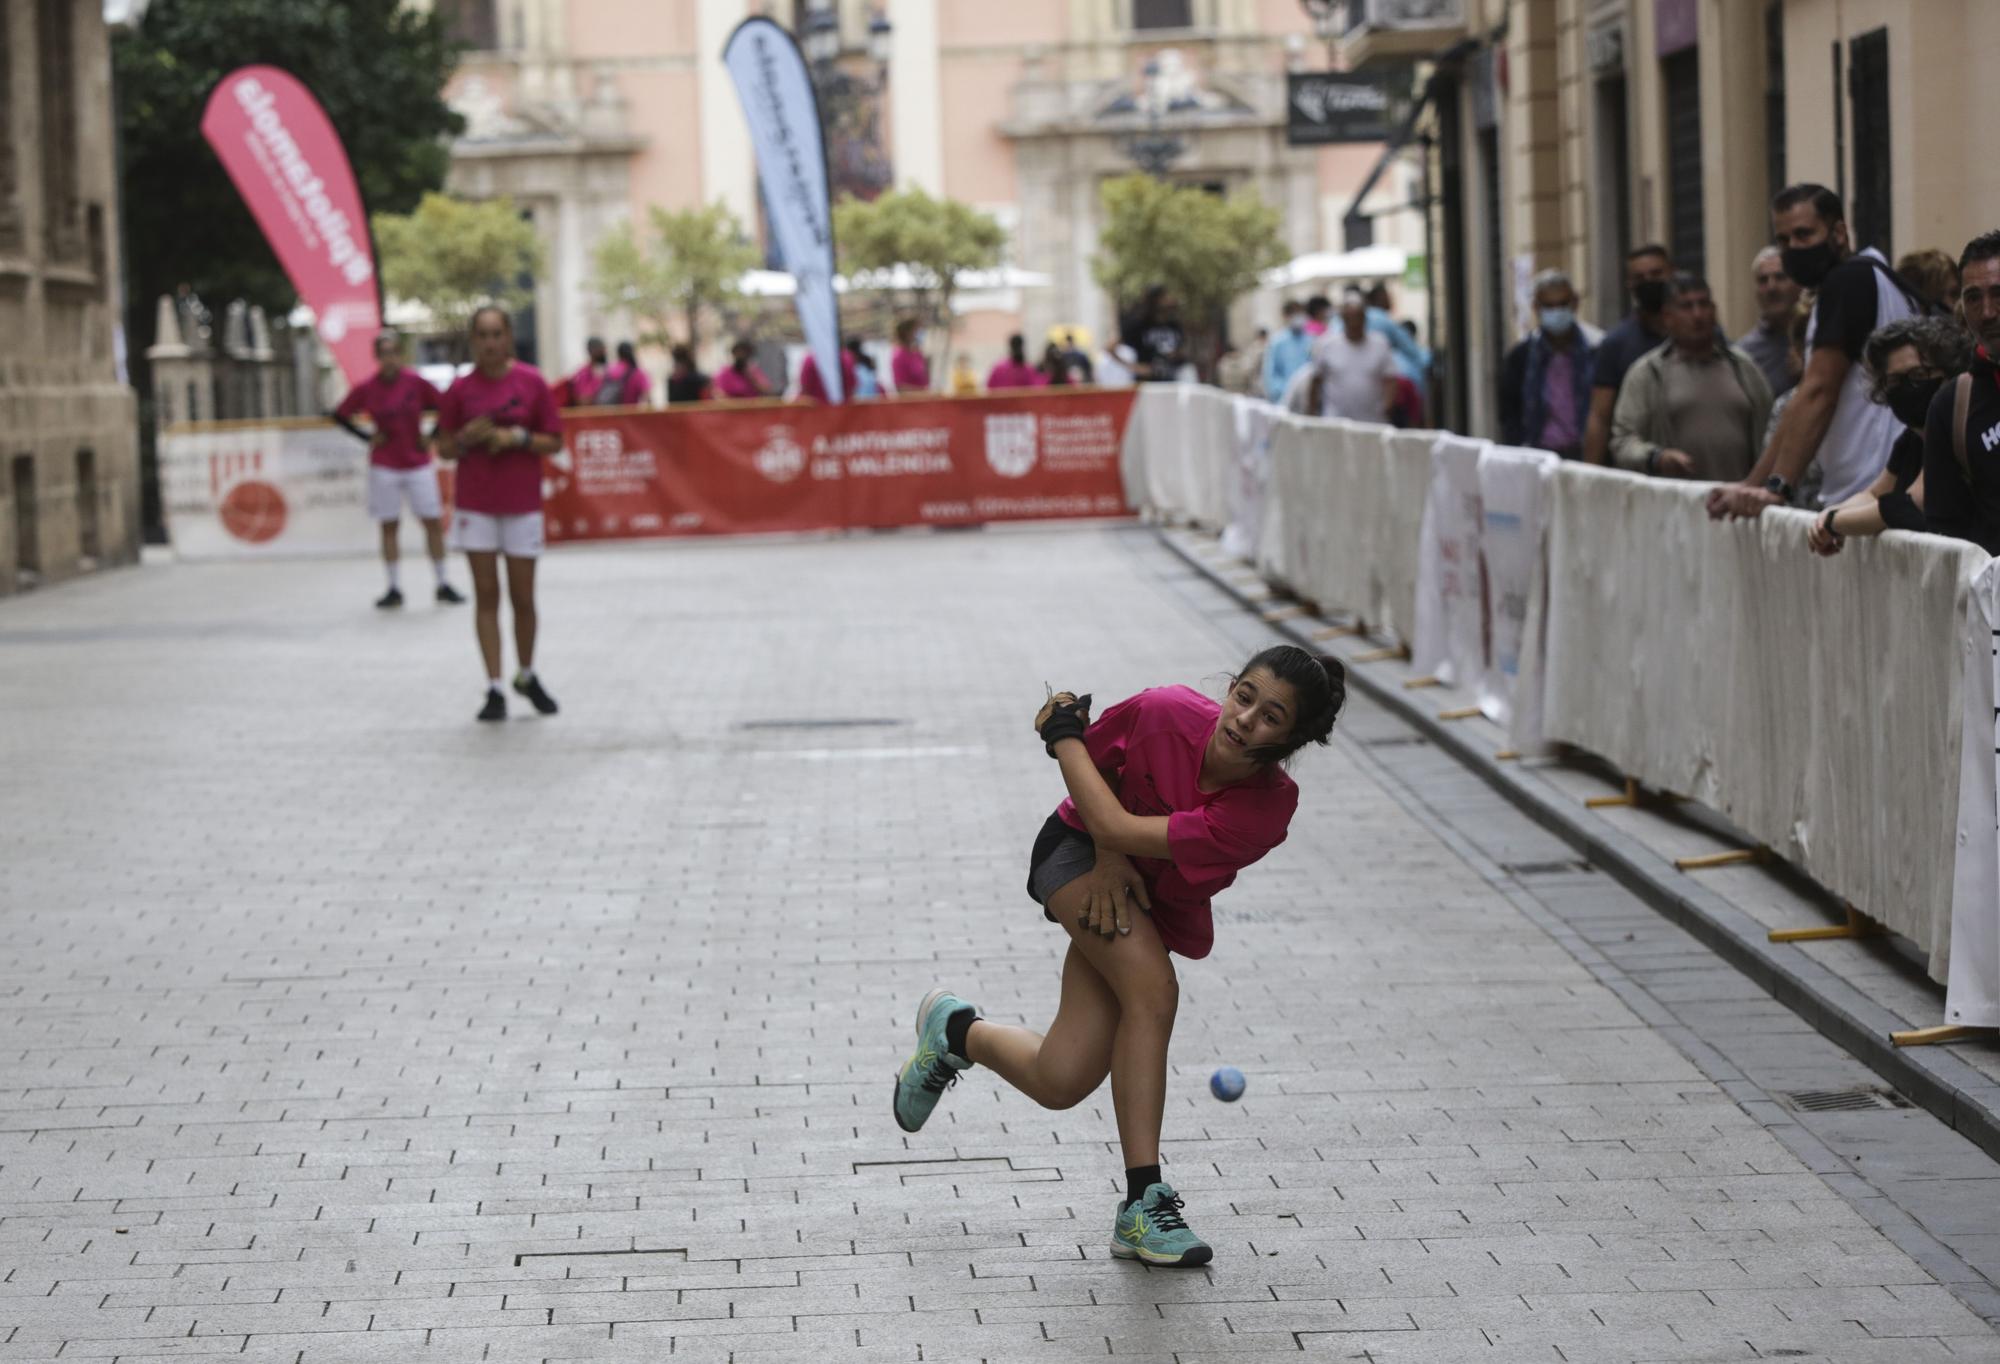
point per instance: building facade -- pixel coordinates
(69, 493)
(1568, 131)
(588, 112)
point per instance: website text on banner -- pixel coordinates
(278, 488)
(281, 151)
(711, 470)
(1814, 702)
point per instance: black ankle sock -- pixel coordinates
(955, 1029)
(1138, 1179)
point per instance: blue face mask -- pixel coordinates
(1558, 321)
(1296, 326)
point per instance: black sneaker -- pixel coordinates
(447, 594)
(495, 707)
(539, 699)
(391, 599)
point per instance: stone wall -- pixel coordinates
(69, 457)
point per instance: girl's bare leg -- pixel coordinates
(1141, 978)
(1063, 1067)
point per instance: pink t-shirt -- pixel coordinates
(730, 384)
(397, 408)
(500, 482)
(812, 386)
(1007, 374)
(910, 370)
(1153, 744)
(585, 383)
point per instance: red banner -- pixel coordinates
(281, 150)
(718, 469)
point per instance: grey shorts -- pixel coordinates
(1061, 854)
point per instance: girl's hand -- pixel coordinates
(1056, 698)
(1065, 715)
(1110, 888)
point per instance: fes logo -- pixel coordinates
(780, 458)
(1010, 444)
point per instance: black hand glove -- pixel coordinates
(1066, 721)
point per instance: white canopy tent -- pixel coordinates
(1334, 267)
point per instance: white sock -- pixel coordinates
(493, 684)
(438, 565)
(392, 565)
(525, 676)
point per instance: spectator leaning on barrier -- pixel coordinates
(1545, 380)
(1015, 371)
(1908, 362)
(1769, 343)
(1961, 482)
(1413, 358)
(907, 365)
(1288, 353)
(741, 378)
(1695, 407)
(685, 381)
(1356, 371)
(1830, 418)
(1647, 269)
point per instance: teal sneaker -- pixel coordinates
(1151, 1229)
(932, 1069)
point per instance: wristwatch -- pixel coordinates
(1784, 491)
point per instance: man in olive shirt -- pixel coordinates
(1695, 407)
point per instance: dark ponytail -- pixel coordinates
(1319, 684)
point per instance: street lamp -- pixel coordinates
(1155, 150)
(1328, 17)
(822, 37)
(849, 103)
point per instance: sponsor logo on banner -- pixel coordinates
(780, 458)
(285, 159)
(1010, 443)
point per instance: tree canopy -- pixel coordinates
(377, 66)
(1207, 250)
(938, 239)
(687, 264)
(457, 255)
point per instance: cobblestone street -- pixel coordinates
(335, 1026)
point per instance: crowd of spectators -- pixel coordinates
(1865, 392)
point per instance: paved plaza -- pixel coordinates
(334, 1026)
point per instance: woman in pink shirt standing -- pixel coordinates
(1015, 371)
(1170, 795)
(497, 422)
(742, 378)
(907, 365)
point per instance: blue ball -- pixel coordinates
(1226, 1084)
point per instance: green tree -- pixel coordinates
(936, 239)
(378, 67)
(1207, 250)
(686, 265)
(456, 255)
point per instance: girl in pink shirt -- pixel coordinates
(1170, 795)
(742, 378)
(907, 366)
(1015, 371)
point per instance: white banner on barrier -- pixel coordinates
(255, 492)
(1513, 495)
(1450, 642)
(1252, 469)
(1972, 988)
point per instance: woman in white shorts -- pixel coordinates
(497, 421)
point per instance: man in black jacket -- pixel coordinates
(1962, 456)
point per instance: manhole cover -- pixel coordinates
(826, 722)
(1859, 1100)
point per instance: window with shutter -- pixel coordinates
(1681, 75)
(1868, 88)
(1162, 14)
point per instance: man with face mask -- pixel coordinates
(1545, 380)
(1961, 481)
(1288, 352)
(1830, 417)
(1647, 270)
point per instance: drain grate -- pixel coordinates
(1524, 870)
(829, 722)
(1861, 1099)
